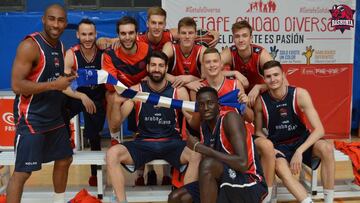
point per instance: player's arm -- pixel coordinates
(85, 100)
(235, 131)
(243, 98)
(27, 56)
(306, 106)
(122, 105)
(192, 118)
(214, 33)
(258, 121)
(106, 42)
(258, 88)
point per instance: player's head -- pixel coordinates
(212, 62)
(54, 21)
(208, 103)
(242, 34)
(273, 74)
(187, 31)
(156, 21)
(86, 33)
(126, 28)
(157, 65)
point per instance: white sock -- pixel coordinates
(328, 196)
(59, 197)
(307, 200)
(268, 196)
(115, 135)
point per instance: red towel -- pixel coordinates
(351, 149)
(84, 197)
(2, 198)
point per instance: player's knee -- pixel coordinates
(327, 151)
(66, 162)
(113, 155)
(20, 177)
(265, 147)
(206, 167)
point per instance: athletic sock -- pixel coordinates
(268, 196)
(307, 200)
(59, 197)
(328, 196)
(115, 135)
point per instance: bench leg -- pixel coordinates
(100, 184)
(313, 182)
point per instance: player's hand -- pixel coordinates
(243, 98)
(295, 163)
(103, 43)
(216, 36)
(88, 104)
(253, 94)
(179, 81)
(116, 44)
(61, 83)
(194, 85)
(191, 141)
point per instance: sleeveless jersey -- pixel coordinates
(128, 69)
(218, 141)
(284, 120)
(157, 122)
(96, 92)
(166, 37)
(251, 69)
(227, 86)
(189, 65)
(41, 112)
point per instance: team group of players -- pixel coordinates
(216, 151)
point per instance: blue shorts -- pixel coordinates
(289, 150)
(32, 150)
(241, 187)
(143, 152)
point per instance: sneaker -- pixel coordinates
(140, 181)
(166, 180)
(151, 178)
(93, 181)
(114, 142)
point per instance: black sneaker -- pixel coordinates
(151, 178)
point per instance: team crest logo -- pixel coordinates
(342, 17)
(283, 112)
(232, 173)
(56, 62)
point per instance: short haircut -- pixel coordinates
(186, 21)
(85, 21)
(155, 10)
(207, 89)
(270, 64)
(56, 6)
(240, 25)
(124, 21)
(158, 54)
(211, 50)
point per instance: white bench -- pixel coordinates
(347, 190)
(135, 194)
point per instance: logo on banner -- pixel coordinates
(262, 7)
(8, 118)
(342, 17)
(273, 51)
(324, 72)
(308, 54)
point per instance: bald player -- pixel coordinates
(38, 79)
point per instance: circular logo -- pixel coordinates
(8, 118)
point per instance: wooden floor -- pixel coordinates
(78, 176)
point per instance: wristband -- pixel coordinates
(198, 142)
